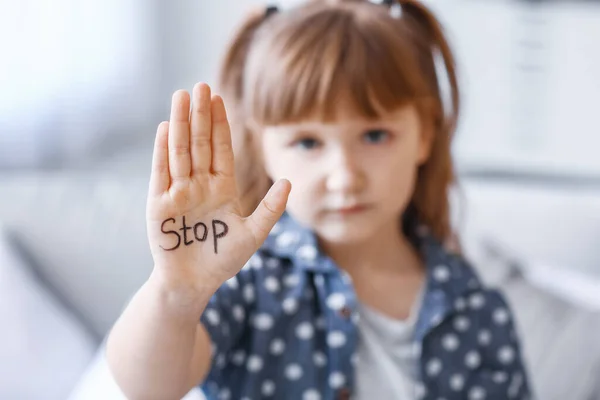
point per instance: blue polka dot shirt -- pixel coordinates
(286, 327)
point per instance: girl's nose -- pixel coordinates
(345, 174)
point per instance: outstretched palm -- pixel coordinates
(196, 232)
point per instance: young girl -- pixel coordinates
(352, 286)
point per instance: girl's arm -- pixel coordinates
(198, 239)
(158, 349)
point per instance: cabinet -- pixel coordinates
(530, 73)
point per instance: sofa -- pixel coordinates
(73, 250)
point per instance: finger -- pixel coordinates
(179, 136)
(269, 210)
(222, 152)
(159, 174)
(200, 129)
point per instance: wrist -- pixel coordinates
(182, 296)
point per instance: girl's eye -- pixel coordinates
(306, 144)
(376, 136)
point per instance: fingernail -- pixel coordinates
(279, 187)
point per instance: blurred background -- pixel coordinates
(83, 85)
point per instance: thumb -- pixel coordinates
(269, 210)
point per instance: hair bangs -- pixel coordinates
(331, 61)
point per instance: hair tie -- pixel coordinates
(270, 10)
(394, 6)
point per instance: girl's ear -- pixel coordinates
(425, 141)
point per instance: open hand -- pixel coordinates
(196, 232)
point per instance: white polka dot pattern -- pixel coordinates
(500, 377)
(254, 364)
(233, 283)
(441, 273)
(472, 359)
(286, 239)
(293, 372)
(268, 388)
(220, 361)
(501, 316)
(477, 301)
(290, 305)
(319, 280)
(420, 390)
(506, 355)
(457, 382)
(263, 321)
(239, 357)
(477, 393)
(336, 301)
(271, 284)
(304, 331)
(436, 319)
(288, 326)
(336, 380)
(433, 367)
(291, 280)
(450, 342)
(256, 262)
(212, 316)
(462, 323)
(224, 394)
(319, 359)
(460, 304)
(311, 394)
(273, 263)
(307, 252)
(484, 337)
(336, 339)
(277, 347)
(238, 313)
(249, 293)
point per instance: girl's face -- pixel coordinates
(350, 179)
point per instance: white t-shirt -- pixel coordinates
(388, 358)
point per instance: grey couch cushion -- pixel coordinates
(43, 347)
(559, 336)
(560, 343)
(85, 234)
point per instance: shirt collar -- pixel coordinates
(448, 275)
(449, 279)
(289, 239)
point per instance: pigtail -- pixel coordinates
(251, 182)
(431, 200)
(232, 68)
(433, 32)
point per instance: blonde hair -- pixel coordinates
(297, 64)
